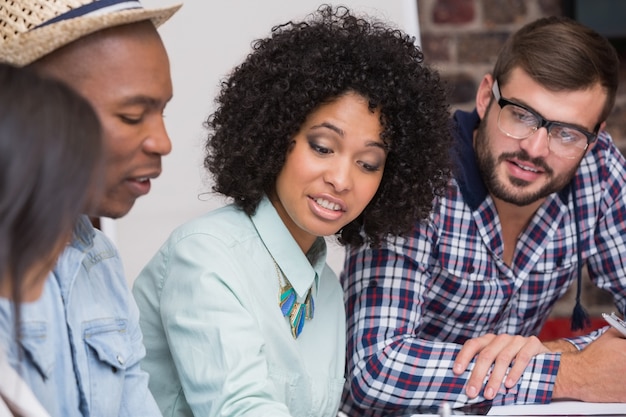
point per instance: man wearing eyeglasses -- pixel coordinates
(451, 312)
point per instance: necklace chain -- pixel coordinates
(295, 312)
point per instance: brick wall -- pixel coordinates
(461, 39)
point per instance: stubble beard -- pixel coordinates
(515, 192)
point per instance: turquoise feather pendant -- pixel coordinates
(297, 313)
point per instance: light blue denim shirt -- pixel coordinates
(217, 342)
(81, 339)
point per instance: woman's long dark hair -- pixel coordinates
(50, 154)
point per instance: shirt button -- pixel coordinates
(120, 360)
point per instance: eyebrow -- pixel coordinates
(341, 133)
(143, 100)
(330, 126)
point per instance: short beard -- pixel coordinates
(514, 194)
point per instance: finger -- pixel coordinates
(516, 371)
(470, 349)
(501, 366)
(483, 365)
(532, 348)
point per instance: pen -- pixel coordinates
(616, 322)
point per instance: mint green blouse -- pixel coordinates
(217, 342)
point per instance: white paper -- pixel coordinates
(560, 408)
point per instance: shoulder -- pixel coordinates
(220, 234)
(228, 224)
(90, 253)
(220, 243)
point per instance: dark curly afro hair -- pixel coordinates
(303, 65)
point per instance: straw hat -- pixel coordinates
(30, 29)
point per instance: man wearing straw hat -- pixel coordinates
(80, 344)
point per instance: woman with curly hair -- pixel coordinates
(331, 126)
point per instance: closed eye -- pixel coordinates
(369, 168)
(320, 149)
(131, 120)
(566, 135)
(524, 116)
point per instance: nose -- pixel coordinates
(158, 141)
(537, 144)
(339, 175)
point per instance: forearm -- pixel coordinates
(569, 378)
(408, 373)
(416, 373)
(595, 373)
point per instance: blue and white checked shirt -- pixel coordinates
(412, 303)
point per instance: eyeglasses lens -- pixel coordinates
(519, 123)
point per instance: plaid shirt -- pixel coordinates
(413, 302)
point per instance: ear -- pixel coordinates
(484, 95)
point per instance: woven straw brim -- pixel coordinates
(25, 48)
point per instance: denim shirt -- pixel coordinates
(81, 340)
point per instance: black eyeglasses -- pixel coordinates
(519, 122)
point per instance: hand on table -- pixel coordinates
(501, 351)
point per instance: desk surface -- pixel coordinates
(556, 408)
(561, 408)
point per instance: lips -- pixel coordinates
(526, 167)
(140, 185)
(327, 208)
(524, 172)
(328, 204)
